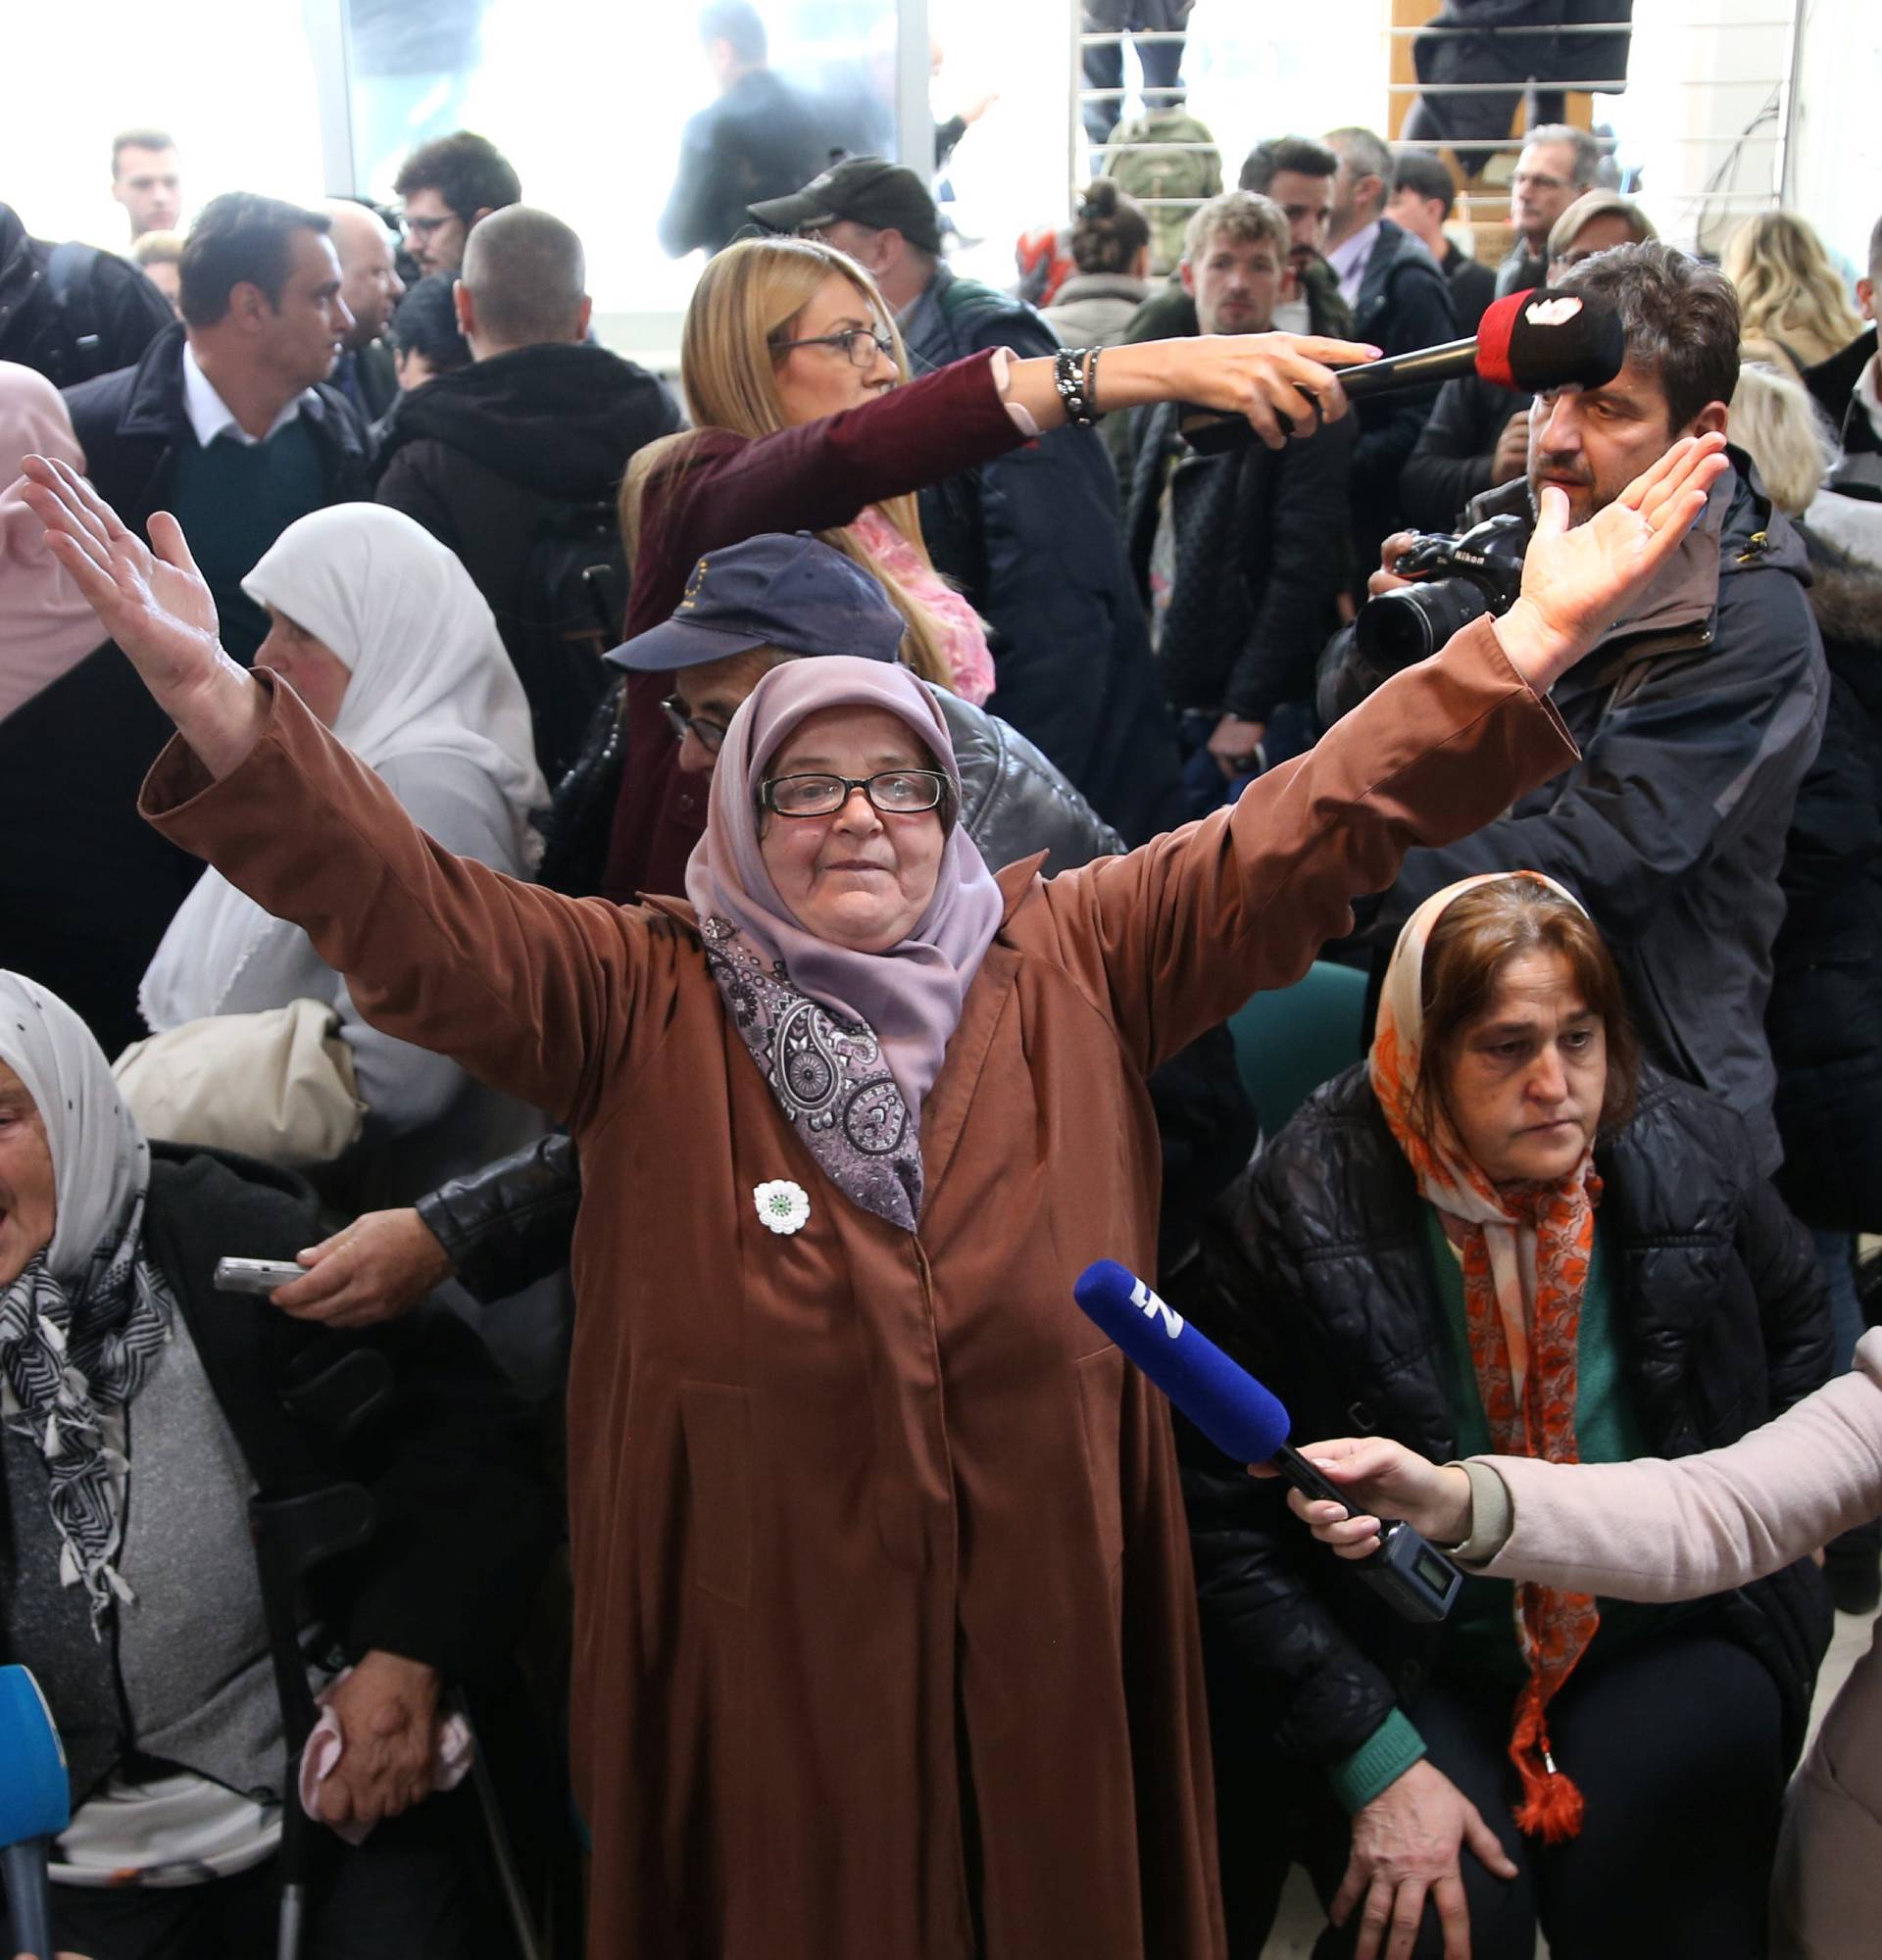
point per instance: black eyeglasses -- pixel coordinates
(423, 227)
(861, 343)
(708, 734)
(893, 792)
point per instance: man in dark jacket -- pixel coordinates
(515, 461)
(71, 312)
(1399, 302)
(1423, 195)
(759, 139)
(1033, 539)
(226, 422)
(1698, 715)
(366, 372)
(1237, 555)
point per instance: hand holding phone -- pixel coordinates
(260, 1276)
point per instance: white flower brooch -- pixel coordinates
(782, 1206)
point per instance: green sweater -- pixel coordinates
(233, 500)
(1480, 1641)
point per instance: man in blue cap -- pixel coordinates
(745, 611)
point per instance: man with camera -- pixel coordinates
(1697, 715)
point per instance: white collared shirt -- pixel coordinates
(210, 416)
(1348, 261)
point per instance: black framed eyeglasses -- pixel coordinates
(708, 734)
(861, 343)
(893, 792)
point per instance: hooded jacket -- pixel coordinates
(1320, 1280)
(71, 312)
(1697, 722)
(508, 453)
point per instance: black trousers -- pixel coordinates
(414, 1891)
(1676, 1747)
(1161, 62)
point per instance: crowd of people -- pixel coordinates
(434, 866)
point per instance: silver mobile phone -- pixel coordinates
(256, 1275)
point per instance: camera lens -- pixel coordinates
(1399, 629)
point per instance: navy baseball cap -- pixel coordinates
(770, 591)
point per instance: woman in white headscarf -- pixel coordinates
(380, 631)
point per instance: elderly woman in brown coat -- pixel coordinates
(885, 1640)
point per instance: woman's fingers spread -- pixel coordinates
(51, 499)
(86, 508)
(1656, 473)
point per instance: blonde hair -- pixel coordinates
(1788, 290)
(743, 304)
(1776, 423)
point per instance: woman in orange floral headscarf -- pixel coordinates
(1499, 1233)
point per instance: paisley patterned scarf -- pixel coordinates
(849, 1042)
(1526, 1252)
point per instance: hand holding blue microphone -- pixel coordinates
(1244, 1421)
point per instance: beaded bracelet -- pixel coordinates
(1073, 372)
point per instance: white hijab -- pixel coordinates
(429, 676)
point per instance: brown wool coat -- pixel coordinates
(885, 1637)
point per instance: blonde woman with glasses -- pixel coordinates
(808, 420)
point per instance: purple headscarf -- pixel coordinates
(850, 1042)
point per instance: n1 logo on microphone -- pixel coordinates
(1556, 311)
(1150, 1306)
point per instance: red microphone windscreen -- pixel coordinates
(1493, 338)
(1545, 338)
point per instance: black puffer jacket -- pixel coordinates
(1826, 1016)
(1319, 1280)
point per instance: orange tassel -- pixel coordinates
(1552, 1806)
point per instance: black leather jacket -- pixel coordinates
(1318, 1278)
(509, 1223)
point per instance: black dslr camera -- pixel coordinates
(1478, 573)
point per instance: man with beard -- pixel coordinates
(370, 284)
(1235, 555)
(1698, 714)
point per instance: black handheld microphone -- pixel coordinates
(1528, 342)
(1247, 1423)
(35, 1805)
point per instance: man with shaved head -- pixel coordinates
(515, 461)
(370, 284)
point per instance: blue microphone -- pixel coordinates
(35, 1805)
(1243, 1420)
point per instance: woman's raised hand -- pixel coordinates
(153, 602)
(1577, 583)
(1267, 377)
